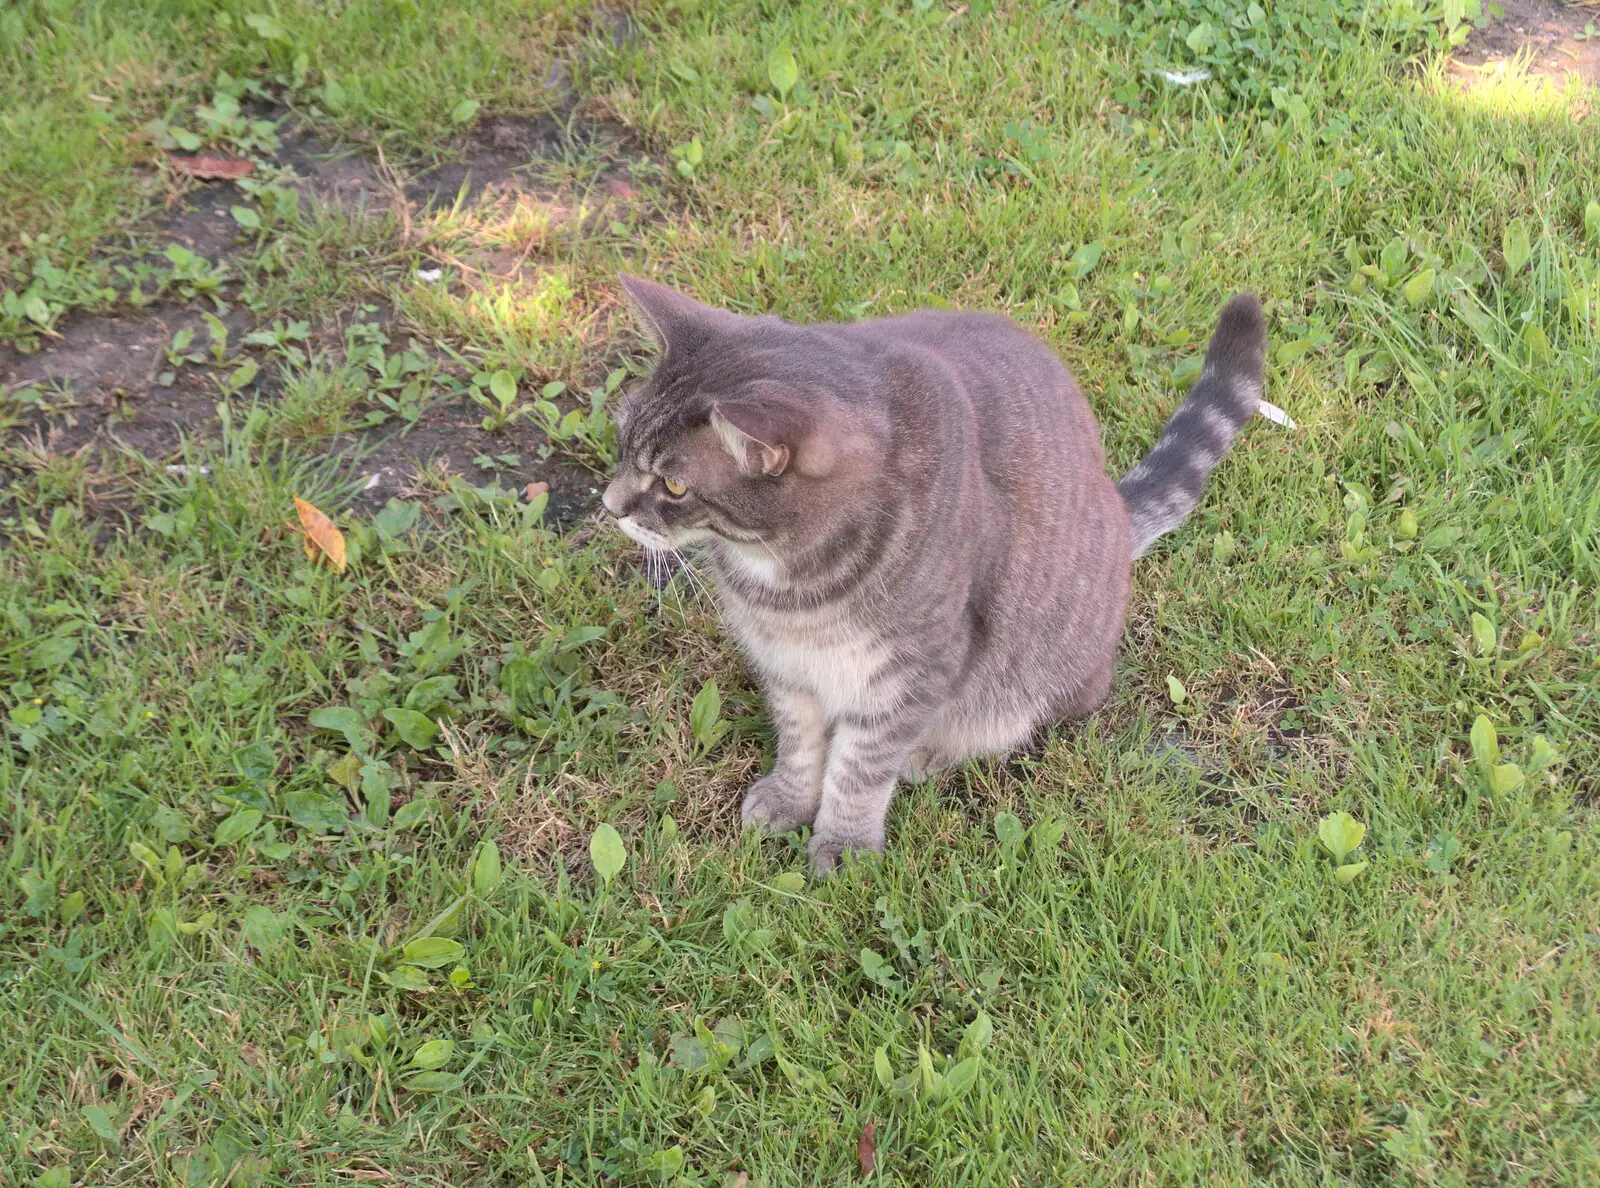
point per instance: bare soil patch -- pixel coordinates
(101, 376)
(450, 440)
(1549, 36)
(105, 370)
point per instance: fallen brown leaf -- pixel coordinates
(867, 1149)
(321, 536)
(211, 168)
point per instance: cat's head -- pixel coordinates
(739, 434)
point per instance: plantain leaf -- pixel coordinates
(1419, 288)
(783, 70)
(607, 852)
(1340, 833)
(1505, 778)
(431, 952)
(1485, 743)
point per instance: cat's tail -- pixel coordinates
(1165, 486)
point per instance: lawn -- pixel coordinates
(412, 856)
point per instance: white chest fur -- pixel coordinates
(841, 663)
(842, 666)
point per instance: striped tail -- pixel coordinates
(1165, 486)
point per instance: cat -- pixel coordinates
(910, 527)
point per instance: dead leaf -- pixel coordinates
(321, 536)
(867, 1149)
(534, 490)
(211, 168)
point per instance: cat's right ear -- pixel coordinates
(669, 319)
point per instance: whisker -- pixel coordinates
(655, 568)
(705, 586)
(653, 574)
(702, 582)
(696, 584)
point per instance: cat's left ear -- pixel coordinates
(675, 323)
(773, 435)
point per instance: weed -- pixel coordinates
(193, 276)
(588, 437)
(497, 392)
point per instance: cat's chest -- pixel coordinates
(843, 665)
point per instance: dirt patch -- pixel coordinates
(104, 380)
(201, 221)
(109, 380)
(1553, 39)
(106, 377)
(450, 441)
(507, 155)
(334, 173)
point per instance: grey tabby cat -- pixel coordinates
(912, 533)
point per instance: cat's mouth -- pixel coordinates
(648, 537)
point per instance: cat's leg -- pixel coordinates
(1089, 696)
(969, 731)
(787, 797)
(925, 760)
(865, 759)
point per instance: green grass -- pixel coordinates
(1125, 959)
(81, 85)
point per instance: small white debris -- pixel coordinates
(372, 481)
(1185, 78)
(1276, 415)
(181, 471)
(429, 275)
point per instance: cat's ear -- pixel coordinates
(670, 320)
(770, 436)
(751, 438)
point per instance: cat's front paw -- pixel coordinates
(923, 763)
(826, 851)
(774, 804)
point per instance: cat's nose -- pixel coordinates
(617, 497)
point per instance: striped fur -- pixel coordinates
(925, 560)
(1165, 487)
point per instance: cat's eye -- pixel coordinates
(674, 488)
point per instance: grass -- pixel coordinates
(82, 82)
(239, 787)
